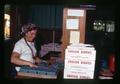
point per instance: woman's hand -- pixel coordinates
(37, 60)
(32, 65)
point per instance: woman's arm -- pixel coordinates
(15, 59)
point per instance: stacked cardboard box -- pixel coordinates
(42, 69)
(79, 61)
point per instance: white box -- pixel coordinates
(74, 74)
(80, 64)
(80, 54)
(81, 46)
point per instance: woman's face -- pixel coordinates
(30, 35)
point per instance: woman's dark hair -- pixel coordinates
(28, 27)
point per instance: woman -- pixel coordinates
(24, 52)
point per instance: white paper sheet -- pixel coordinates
(74, 37)
(75, 12)
(72, 24)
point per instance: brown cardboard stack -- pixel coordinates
(79, 61)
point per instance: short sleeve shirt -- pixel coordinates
(25, 52)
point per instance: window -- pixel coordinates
(7, 26)
(110, 26)
(7, 22)
(99, 25)
(107, 26)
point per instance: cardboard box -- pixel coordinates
(80, 64)
(80, 54)
(73, 74)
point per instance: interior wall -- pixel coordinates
(46, 16)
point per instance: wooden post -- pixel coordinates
(66, 32)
